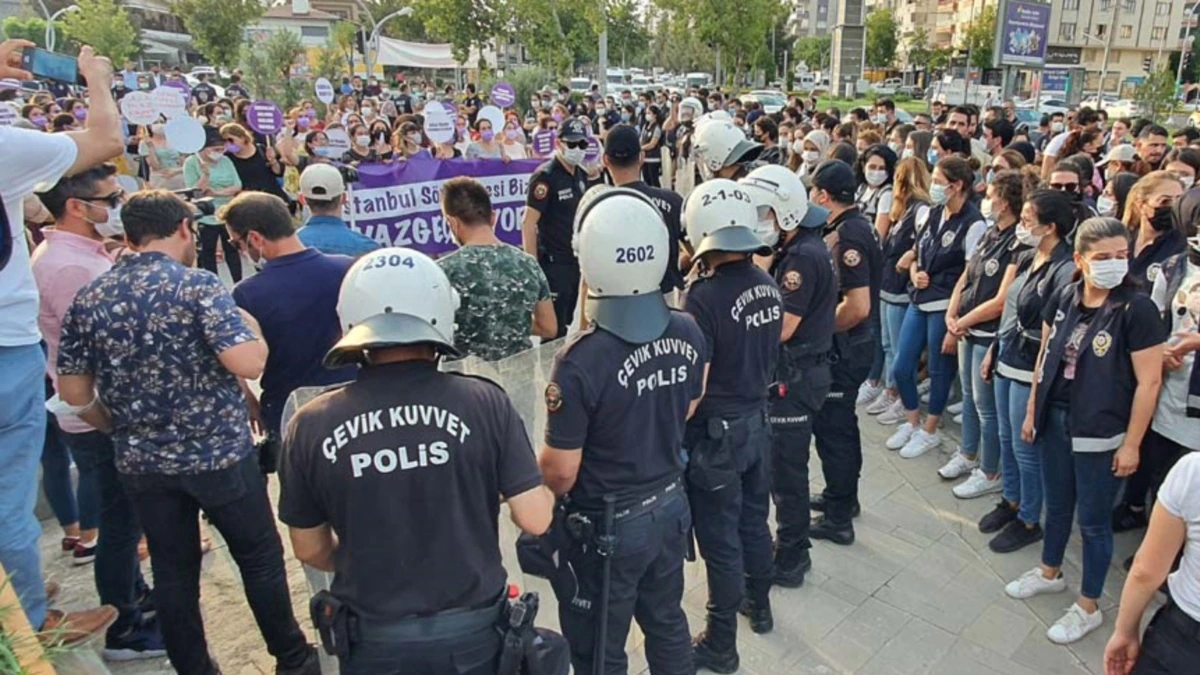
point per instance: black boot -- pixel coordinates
(716, 648)
(790, 567)
(817, 503)
(757, 605)
(838, 533)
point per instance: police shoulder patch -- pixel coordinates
(851, 257)
(554, 400)
(948, 237)
(792, 280)
(1152, 272)
(1101, 343)
(540, 190)
(991, 267)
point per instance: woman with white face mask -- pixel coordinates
(1150, 215)
(213, 174)
(812, 151)
(1097, 380)
(874, 171)
(1185, 164)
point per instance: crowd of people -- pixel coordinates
(828, 269)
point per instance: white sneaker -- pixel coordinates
(923, 386)
(977, 485)
(955, 408)
(958, 419)
(958, 466)
(895, 414)
(880, 403)
(900, 438)
(867, 393)
(925, 398)
(1074, 625)
(1033, 583)
(921, 442)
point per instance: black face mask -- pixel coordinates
(1163, 218)
(1194, 256)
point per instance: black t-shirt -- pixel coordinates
(740, 312)
(403, 104)
(808, 281)
(554, 192)
(204, 93)
(256, 174)
(859, 260)
(473, 102)
(406, 464)
(236, 90)
(670, 205)
(625, 405)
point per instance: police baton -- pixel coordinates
(605, 546)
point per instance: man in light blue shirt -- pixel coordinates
(323, 192)
(130, 76)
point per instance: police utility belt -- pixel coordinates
(712, 459)
(791, 366)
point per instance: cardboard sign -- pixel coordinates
(138, 108)
(264, 117)
(169, 102)
(494, 115)
(184, 134)
(504, 95)
(439, 124)
(593, 150)
(324, 90)
(543, 141)
(338, 140)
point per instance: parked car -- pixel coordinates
(1051, 106)
(772, 101)
(888, 87)
(911, 90)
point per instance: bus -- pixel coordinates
(698, 80)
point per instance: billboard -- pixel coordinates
(1023, 31)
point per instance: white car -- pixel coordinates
(772, 101)
(1051, 106)
(888, 87)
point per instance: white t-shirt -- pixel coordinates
(1170, 417)
(1056, 144)
(1180, 496)
(30, 158)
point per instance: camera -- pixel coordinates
(201, 206)
(349, 174)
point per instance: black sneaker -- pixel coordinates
(704, 656)
(997, 518)
(817, 503)
(1125, 518)
(311, 665)
(142, 642)
(145, 605)
(1015, 536)
(789, 569)
(841, 534)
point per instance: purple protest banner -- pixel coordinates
(543, 142)
(593, 149)
(450, 108)
(264, 117)
(398, 204)
(504, 95)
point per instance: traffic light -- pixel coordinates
(1146, 61)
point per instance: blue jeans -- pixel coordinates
(979, 427)
(1020, 462)
(1077, 480)
(878, 359)
(56, 482)
(920, 330)
(22, 431)
(892, 319)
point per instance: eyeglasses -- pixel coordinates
(576, 145)
(112, 201)
(1064, 187)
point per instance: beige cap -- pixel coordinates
(321, 182)
(1122, 152)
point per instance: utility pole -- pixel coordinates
(1112, 28)
(603, 74)
(1185, 46)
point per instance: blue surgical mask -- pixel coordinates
(937, 193)
(931, 156)
(624, 117)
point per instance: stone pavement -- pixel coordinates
(919, 592)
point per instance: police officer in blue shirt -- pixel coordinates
(620, 394)
(808, 282)
(739, 309)
(855, 251)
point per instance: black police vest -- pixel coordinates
(985, 275)
(1104, 384)
(941, 255)
(1144, 268)
(1019, 351)
(899, 240)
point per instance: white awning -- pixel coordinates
(152, 48)
(415, 54)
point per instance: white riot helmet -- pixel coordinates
(622, 245)
(718, 144)
(720, 215)
(393, 297)
(694, 105)
(777, 188)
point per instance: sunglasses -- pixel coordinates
(112, 201)
(576, 145)
(1064, 187)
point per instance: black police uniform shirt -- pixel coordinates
(1019, 351)
(406, 464)
(625, 406)
(740, 312)
(670, 205)
(473, 101)
(942, 254)
(985, 274)
(554, 192)
(808, 281)
(859, 261)
(901, 236)
(204, 93)
(1145, 266)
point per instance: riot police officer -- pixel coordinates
(806, 278)
(739, 309)
(722, 150)
(620, 394)
(859, 259)
(390, 482)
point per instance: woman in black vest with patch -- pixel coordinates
(1150, 216)
(1097, 381)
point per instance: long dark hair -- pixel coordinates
(877, 150)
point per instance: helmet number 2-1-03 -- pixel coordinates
(635, 254)
(722, 195)
(390, 261)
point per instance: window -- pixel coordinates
(1106, 5)
(1159, 33)
(1066, 31)
(1130, 6)
(319, 32)
(1071, 4)
(1163, 9)
(1101, 31)
(1126, 31)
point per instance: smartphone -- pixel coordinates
(50, 65)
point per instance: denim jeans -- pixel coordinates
(235, 499)
(892, 319)
(1077, 480)
(1020, 462)
(920, 330)
(979, 427)
(878, 359)
(1171, 643)
(22, 431)
(118, 572)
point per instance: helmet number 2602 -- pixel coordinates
(635, 254)
(394, 260)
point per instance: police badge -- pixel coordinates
(1101, 343)
(991, 267)
(948, 238)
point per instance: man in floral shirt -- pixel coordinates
(152, 352)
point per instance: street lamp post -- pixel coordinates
(1184, 45)
(1103, 68)
(372, 43)
(51, 32)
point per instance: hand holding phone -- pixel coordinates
(10, 59)
(49, 65)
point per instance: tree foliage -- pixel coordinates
(328, 61)
(980, 39)
(465, 24)
(105, 26)
(883, 36)
(218, 26)
(343, 37)
(738, 29)
(32, 29)
(814, 52)
(268, 67)
(1156, 96)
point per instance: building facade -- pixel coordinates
(814, 18)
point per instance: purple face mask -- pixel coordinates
(514, 134)
(233, 148)
(557, 117)
(39, 121)
(487, 135)
(303, 121)
(81, 114)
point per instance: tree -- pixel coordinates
(465, 24)
(268, 66)
(1156, 96)
(33, 29)
(883, 36)
(918, 49)
(343, 36)
(327, 61)
(218, 26)
(814, 52)
(980, 38)
(105, 26)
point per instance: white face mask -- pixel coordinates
(110, 226)
(985, 208)
(798, 148)
(1188, 181)
(368, 112)
(1107, 274)
(573, 156)
(1026, 236)
(1106, 205)
(938, 193)
(415, 139)
(362, 141)
(875, 178)
(1057, 127)
(767, 232)
(908, 152)
(894, 147)
(215, 156)
(810, 157)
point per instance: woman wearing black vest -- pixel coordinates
(1047, 219)
(972, 319)
(652, 142)
(940, 259)
(1098, 376)
(1150, 215)
(874, 171)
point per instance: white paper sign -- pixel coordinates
(324, 90)
(439, 125)
(494, 115)
(169, 101)
(338, 139)
(184, 134)
(138, 108)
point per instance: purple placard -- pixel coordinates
(1024, 33)
(504, 95)
(593, 149)
(543, 142)
(395, 205)
(264, 117)
(181, 85)
(450, 108)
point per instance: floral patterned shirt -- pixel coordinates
(149, 331)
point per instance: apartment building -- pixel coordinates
(813, 18)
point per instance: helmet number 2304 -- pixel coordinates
(395, 260)
(635, 254)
